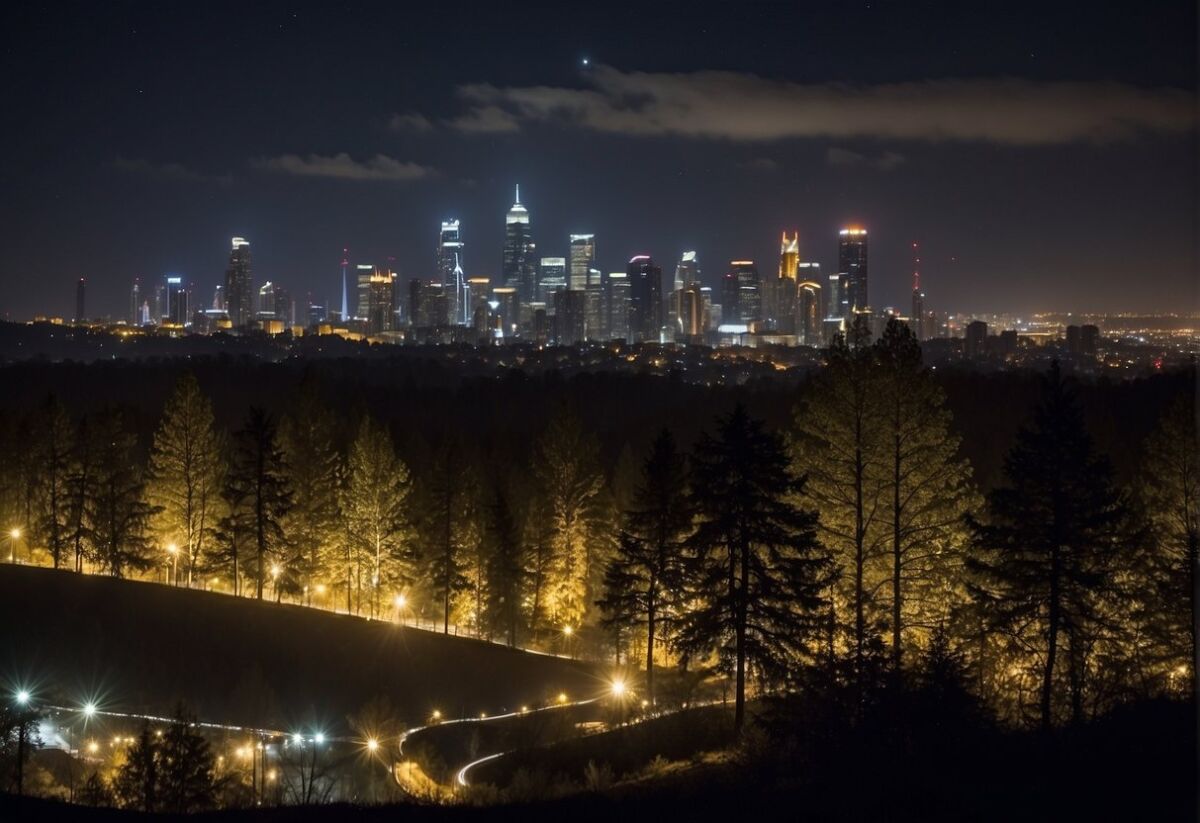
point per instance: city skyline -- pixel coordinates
(1083, 177)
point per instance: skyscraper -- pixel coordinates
(741, 294)
(449, 263)
(80, 288)
(645, 298)
(239, 285)
(518, 264)
(809, 329)
(177, 301)
(918, 296)
(552, 276)
(852, 265)
(789, 255)
(618, 305)
(687, 270)
(583, 260)
(135, 303)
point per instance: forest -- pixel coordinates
(1028, 536)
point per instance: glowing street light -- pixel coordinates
(372, 745)
(568, 631)
(618, 688)
(437, 715)
(319, 738)
(89, 710)
(173, 550)
(13, 536)
(562, 697)
(23, 694)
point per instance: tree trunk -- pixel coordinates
(896, 548)
(740, 605)
(650, 614)
(1052, 640)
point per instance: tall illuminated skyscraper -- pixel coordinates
(582, 260)
(809, 318)
(449, 263)
(80, 307)
(552, 276)
(645, 299)
(687, 270)
(789, 255)
(518, 266)
(741, 294)
(852, 265)
(918, 296)
(239, 285)
(345, 292)
(135, 303)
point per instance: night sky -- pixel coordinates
(1043, 154)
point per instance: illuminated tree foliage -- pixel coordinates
(116, 514)
(1044, 554)
(258, 492)
(647, 568)
(757, 573)
(566, 466)
(1169, 486)
(307, 437)
(376, 494)
(926, 490)
(841, 449)
(52, 449)
(136, 781)
(506, 575)
(186, 781)
(185, 473)
(444, 525)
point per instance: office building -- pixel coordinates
(582, 253)
(239, 285)
(569, 311)
(519, 261)
(552, 276)
(975, 342)
(645, 299)
(618, 305)
(809, 329)
(80, 306)
(852, 266)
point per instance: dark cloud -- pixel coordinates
(837, 156)
(736, 106)
(169, 171)
(763, 164)
(410, 122)
(343, 167)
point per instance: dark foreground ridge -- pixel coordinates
(143, 647)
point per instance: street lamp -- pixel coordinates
(275, 572)
(89, 710)
(13, 537)
(401, 601)
(618, 688)
(173, 550)
(567, 632)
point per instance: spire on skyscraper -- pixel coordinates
(345, 264)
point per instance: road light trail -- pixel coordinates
(461, 779)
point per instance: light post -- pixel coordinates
(401, 602)
(567, 632)
(275, 572)
(173, 550)
(22, 704)
(13, 536)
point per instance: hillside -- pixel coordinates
(142, 647)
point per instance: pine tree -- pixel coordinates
(117, 517)
(840, 449)
(52, 452)
(926, 485)
(377, 489)
(258, 492)
(81, 486)
(756, 566)
(185, 475)
(444, 525)
(136, 781)
(1169, 484)
(307, 437)
(186, 782)
(506, 576)
(566, 466)
(1045, 553)
(648, 566)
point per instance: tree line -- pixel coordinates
(850, 543)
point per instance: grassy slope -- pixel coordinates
(142, 647)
